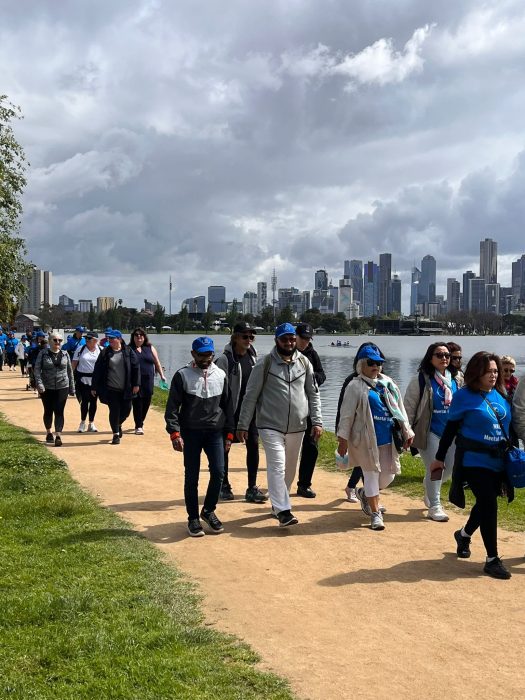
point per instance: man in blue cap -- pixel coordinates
(198, 413)
(74, 341)
(283, 392)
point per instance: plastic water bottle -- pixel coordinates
(341, 462)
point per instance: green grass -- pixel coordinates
(88, 609)
(410, 483)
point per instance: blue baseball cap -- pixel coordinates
(370, 352)
(284, 329)
(203, 344)
(80, 329)
(113, 333)
(40, 334)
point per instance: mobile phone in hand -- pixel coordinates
(436, 474)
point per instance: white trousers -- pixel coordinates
(375, 481)
(433, 488)
(282, 454)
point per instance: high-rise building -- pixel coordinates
(518, 282)
(467, 276)
(85, 305)
(105, 303)
(427, 285)
(453, 293)
(370, 289)
(297, 301)
(356, 280)
(396, 294)
(415, 281)
(385, 279)
(345, 302)
(488, 261)
(40, 291)
(249, 303)
(66, 302)
(195, 305)
(262, 296)
(217, 299)
(492, 298)
(321, 279)
(477, 295)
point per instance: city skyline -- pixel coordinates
(211, 142)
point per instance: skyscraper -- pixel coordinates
(488, 261)
(385, 290)
(427, 285)
(370, 289)
(262, 296)
(356, 280)
(518, 282)
(467, 276)
(453, 293)
(40, 291)
(396, 294)
(415, 281)
(217, 299)
(321, 279)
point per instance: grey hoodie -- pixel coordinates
(284, 398)
(229, 359)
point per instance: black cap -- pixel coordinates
(243, 327)
(91, 334)
(304, 330)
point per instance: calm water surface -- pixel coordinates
(403, 356)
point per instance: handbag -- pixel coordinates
(514, 458)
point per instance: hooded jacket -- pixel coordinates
(99, 383)
(282, 396)
(231, 366)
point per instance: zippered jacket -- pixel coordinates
(199, 400)
(282, 396)
(229, 363)
(49, 376)
(100, 372)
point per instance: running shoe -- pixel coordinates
(195, 528)
(463, 548)
(58, 441)
(139, 431)
(50, 438)
(376, 521)
(286, 518)
(212, 521)
(116, 439)
(92, 428)
(438, 514)
(255, 495)
(82, 427)
(306, 492)
(365, 507)
(351, 495)
(496, 569)
(226, 493)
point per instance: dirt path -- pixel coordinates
(339, 610)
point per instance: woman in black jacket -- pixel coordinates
(116, 380)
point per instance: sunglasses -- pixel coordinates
(509, 369)
(456, 357)
(373, 363)
(56, 340)
(442, 355)
(248, 337)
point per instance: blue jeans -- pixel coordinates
(212, 442)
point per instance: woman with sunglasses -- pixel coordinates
(371, 406)
(54, 382)
(149, 364)
(427, 400)
(479, 419)
(456, 358)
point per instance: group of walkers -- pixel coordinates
(461, 424)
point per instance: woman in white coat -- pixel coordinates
(372, 417)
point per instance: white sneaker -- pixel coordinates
(139, 431)
(92, 428)
(350, 495)
(438, 514)
(82, 427)
(376, 521)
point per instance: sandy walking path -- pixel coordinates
(339, 610)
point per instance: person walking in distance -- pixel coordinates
(310, 450)
(237, 361)
(149, 364)
(282, 392)
(198, 412)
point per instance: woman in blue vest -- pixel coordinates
(479, 418)
(149, 364)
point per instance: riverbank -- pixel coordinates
(329, 604)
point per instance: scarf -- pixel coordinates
(445, 382)
(390, 395)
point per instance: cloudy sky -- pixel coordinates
(216, 141)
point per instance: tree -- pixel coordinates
(285, 316)
(13, 268)
(159, 317)
(267, 317)
(183, 319)
(207, 319)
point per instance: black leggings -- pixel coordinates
(23, 364)
(119, 409)
(309, 453)
(252, 457)
(141, 406)
(54, 401)
(357, 473)
(88, 402)
(485, 485)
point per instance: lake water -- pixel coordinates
(403, 356)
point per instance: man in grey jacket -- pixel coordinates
(282, 391)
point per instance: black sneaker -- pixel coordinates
(58, 441)
(116, 439)
(50, 438)
(305, 492)
(226, 493)
(255, 495)
(496, 569)
(195, 528)
(212, 521)
(286, 518)
(463, 549)
(120, 432)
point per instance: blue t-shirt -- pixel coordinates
(3, 338)
(383, 421)
(440, 411)
(479, 422)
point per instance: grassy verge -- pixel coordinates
(88, 608)
(410, 482)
